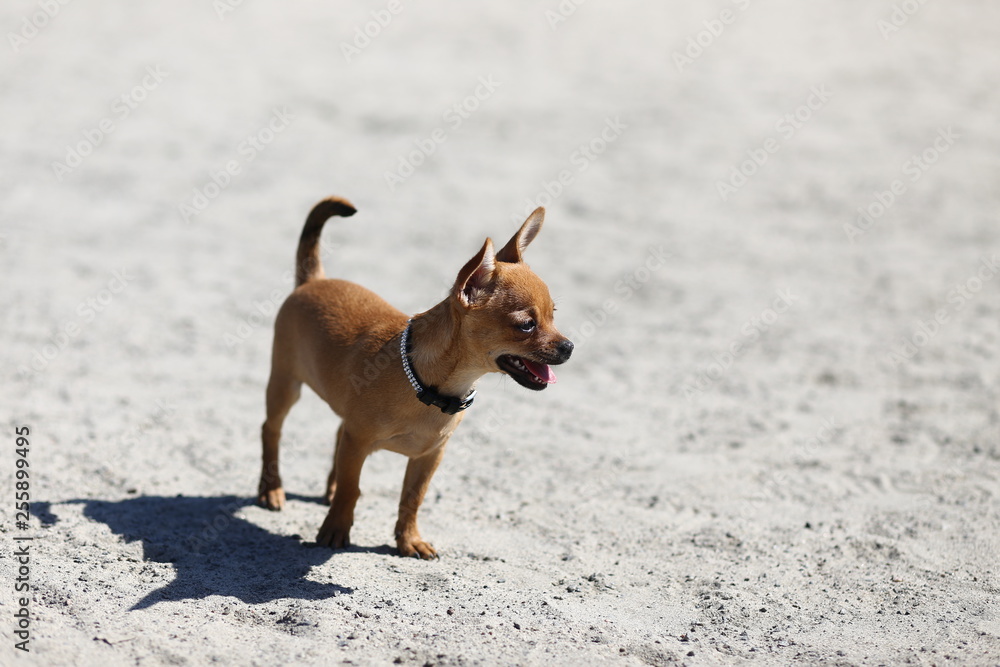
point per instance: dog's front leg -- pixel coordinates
(349, 456)
(418, 477)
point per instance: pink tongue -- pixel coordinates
(542, 371)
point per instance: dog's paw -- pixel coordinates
(333, 535)
(272, 499)
(417, 549)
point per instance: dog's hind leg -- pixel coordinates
(282, 393)
(331, 480)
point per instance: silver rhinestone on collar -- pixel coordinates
(406, 357)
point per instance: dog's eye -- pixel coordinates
(526, 327)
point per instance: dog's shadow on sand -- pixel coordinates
(213, 550)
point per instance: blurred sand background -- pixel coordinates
(777, 442)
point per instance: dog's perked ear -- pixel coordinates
(476, 276)
(529, 230)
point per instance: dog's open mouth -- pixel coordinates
(527, 373)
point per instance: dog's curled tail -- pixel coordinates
(307, 261)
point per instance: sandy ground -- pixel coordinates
(778, 441)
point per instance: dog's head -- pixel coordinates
(507, 311)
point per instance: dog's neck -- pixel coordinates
(436, 351)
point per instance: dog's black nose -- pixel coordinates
(565, 349)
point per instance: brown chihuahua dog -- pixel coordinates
(401, 383)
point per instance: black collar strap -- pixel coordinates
(429, 395)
